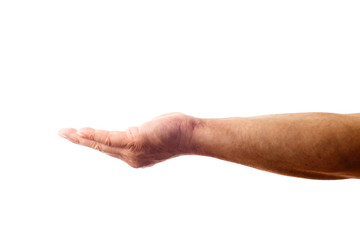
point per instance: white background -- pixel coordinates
(114, 64)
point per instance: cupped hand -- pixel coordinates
(164, 137)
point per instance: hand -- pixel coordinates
(164, 137)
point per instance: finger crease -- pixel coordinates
(108, 141)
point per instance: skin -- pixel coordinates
(309, 145)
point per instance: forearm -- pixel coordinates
(310, 145)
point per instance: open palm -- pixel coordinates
(162, 138)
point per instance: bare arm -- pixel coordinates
(309, 145)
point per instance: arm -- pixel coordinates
(309, 145)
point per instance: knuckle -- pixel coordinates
(132, 147)
(108, 140)
(131, 156)
(135, 165)
(91, 136)
(97, 146)
(132, 133)
(133, 160)
(74, 140)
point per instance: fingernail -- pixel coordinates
(84, 132)
(62, 133)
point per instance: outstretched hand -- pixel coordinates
(164, 137)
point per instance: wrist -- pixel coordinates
(218, 137)
(196, 144)
(204, 141)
